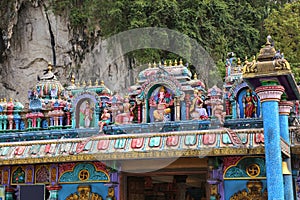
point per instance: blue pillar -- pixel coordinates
(284, 111)
(270, 95)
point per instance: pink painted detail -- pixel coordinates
(188, 104)
(209, 139)
(172, 140)
(10, 119)
(137, 143)
(10, 108)
(230, 160)
(259, 138)
(65, 167)
(139, 114)
(80, 146)
(103, 144)
(34, 116)
(100, 166)
(19, 150)
(68, 118)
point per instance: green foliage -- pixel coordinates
(283, 25)
(220, 26)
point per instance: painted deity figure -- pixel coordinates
(105, 119)
(218, 111)
(126, 116)
(250, 104)
(87, 114)
(197, 110)
(161, 103)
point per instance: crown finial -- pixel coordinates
(154, 64)
(73, 80)
(180, 61)
(175, 62)
(83, 83)
(90, 83)
(49, 67)
(239, 62)
(96, 82)
(101, 82)
(165, 63)
(170, 63)
(195, 76)
(149, 65)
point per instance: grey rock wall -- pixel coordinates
(26, 49)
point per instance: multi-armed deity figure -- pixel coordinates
(161, 104)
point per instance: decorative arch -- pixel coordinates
(172, 84)
(238, 96)
(84, 172)
(246, 168)
(18, 175)
(85, 104)
(42, 174)
(152, 83)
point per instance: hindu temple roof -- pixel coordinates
(48, 86)
(101, 89)
(179, 71)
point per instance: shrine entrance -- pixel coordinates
(181, 180)
(178, 187)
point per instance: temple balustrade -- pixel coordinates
(217, 142)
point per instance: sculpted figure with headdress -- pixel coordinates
(126, 112)
(161, 104)
(197, 110)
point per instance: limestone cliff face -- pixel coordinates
(30, 37)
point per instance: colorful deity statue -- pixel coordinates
(126, 112)
(87, 114)
(105, 119)
(218, 111)
(197, 110)
(250, 104)
(161, 105)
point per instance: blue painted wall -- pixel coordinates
(68, 189)
(233, 186)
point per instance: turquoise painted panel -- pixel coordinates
(239, 171)
(94, 176)
(190, 140)
(154, 142)
(68, 189)
(120, 143)
(233, 186)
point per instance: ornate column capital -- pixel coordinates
(285, 107)
(53, 187)
(270, 92)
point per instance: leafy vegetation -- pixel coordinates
(220, 26)
(284, 27)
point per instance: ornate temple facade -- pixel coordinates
(169, 138)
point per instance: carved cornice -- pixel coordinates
(138, 155)
(135, 146)
(285, 107)
(270, 92)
